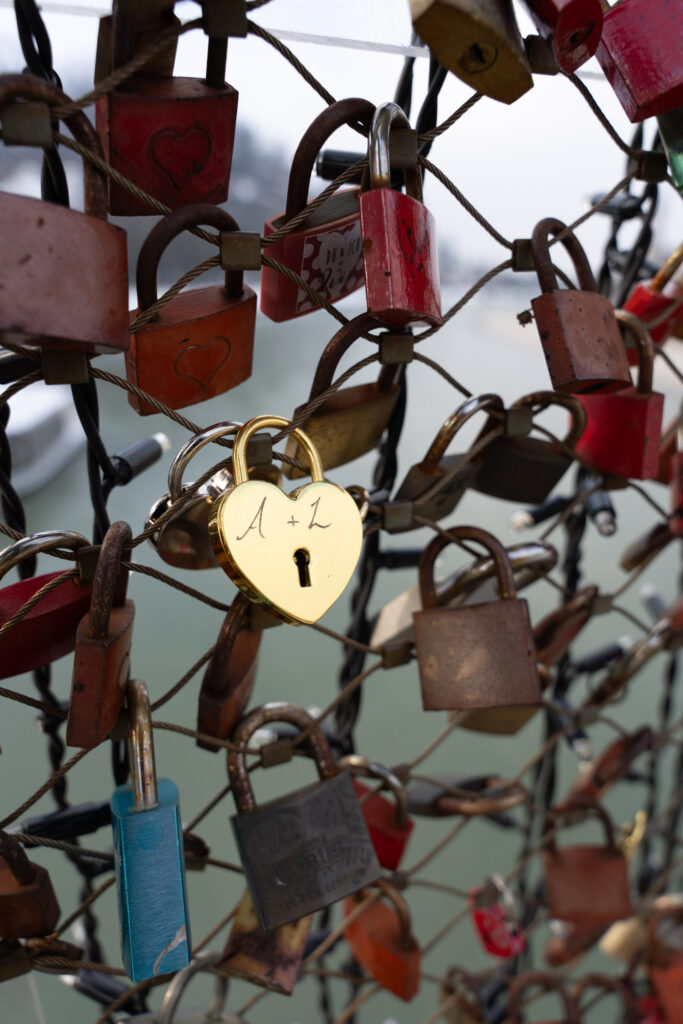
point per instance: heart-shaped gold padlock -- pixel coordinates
(293, 552)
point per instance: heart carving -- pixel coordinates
(180, 155)
(201, 363)
(257, 529)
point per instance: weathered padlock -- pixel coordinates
(78, 258)
(588, 884)
(172, 137)
(525, 469)
(388, 822)
(148, 852)
(623, 430)
(470, 795)
(306, 850)
(271, 959)
(477, 656)
(169, 1013)
(296, 567)
(578, 329)
(638, 53)
(649, 300)
(325, 250)
(665, 959)
(48, 631)
(28, 905)
(610, 766)
(609, 983)
(568, 941)
(352, 420)
(491, 907)
(479, 41)
(398, 234)
(548, 983)
(382, 941)
(201, 342)
(572, 26)
(229, 677)
(14, 959)
(457, 1006)
(557, 630)
(139, 29)
(103, 642)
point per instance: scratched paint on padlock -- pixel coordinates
(178, 154)
(332, 264)
(201, 363)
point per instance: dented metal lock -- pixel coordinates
(578, 329)
(103, 641)
(306, 850)
(665, 959)
(547, 983)
(398, 233)
(170, 1011)
(388, 822)
(460, 998)
(573, 28)
(325, 250)
(201, 342)
(28, 905)
(649, 300)
(382, 941)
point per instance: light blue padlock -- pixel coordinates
(149, 856)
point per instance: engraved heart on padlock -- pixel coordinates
(180, 155)
(195, 364)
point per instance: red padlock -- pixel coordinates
(65, 273)
(624, 429)
(388, 823)
(546, 982)
(326, 249)
(649, 300)
(665, 960)
(201, 343)
(639, 53)
(572, 26)
(382, 942)
(578, 329)
(172, 137)
(491, 907)
(676, 487)
(400, 260)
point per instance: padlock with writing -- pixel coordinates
(388, 822)
(578, 329)
(325, 250)
(382, 941)
(477, 656)
(623, 429)
(103, 642)
(78, 258)
(649, 300)
(664, 954)
(479, 41)
(308, 849)
(148, 853)
(460, 999)
(608, 983)
(201, 342)
(28, 905)
(169, 1011)
(572, 26)
(295, 553)
(351, 421)
(491, 908)
(547, 983)
(398, 235)
(172, 137)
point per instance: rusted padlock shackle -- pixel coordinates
(337, 347)
(528, 560)
(342, 112)
(490, 795)
(544, 264)
(27, 87)
(578, 803)
(49, 540)
(358, 764)
(452, 425)
(402, 911)
(276, 711)
(190, 449)
(163, 233)
(235, 620)
(386, 117)
(609, 982)
(110, 582)
(646, 351)
(203, 961)
(612, 763)
(549, 983)
(506, 582)
(14, 856)
(543, 399)
(457, 978)
(123, 43)
(141, 746)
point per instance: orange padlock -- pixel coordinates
(382, 942)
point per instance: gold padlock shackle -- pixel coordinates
(359, 764)
(190, 449)
(452, 425)
(544, 264)
(49, 540)
(141, 746)
(543, 399)
(608, 982)
(199, 962)
(668, 269)
(386, 116)
(646, 351)
(549, 983)
(506, 582)
(240, 469)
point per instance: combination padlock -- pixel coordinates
(547, 983)
(649, 299)
(573, 28)
(388, 822)
(169, 1012)
(28, 905)
(382, 941)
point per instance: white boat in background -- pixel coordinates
(44, 434)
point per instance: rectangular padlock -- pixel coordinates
(28, 905)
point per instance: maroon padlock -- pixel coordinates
(623, 429)
(325, 250)
(578, 328)
(676, 489)
(400, 260)
(572, 26)
(388, 822)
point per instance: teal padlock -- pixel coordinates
(149, 856)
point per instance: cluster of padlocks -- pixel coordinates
(165, 143)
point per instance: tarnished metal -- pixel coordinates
(611, 765)
(547, 983)
(573, 28)
(448, 794)
(388, 822)
(609, 983)
(382, 942)
(554, 633)
(28, 905)
(461, 1007)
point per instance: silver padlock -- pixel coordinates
(168, 1012)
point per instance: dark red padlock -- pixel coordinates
(548, 983)
(201, 343)
(400, 260)
(665, 960)
(388, 822)
(491, 907)
(382, 942)
(649, 300)
(572, 26)
(324, 250)
(578, 329)
(65, 273)
(103, 642)
(676, 487)
(623, 430)
(639, 53)
(172, 137)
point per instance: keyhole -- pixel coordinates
(302, 558)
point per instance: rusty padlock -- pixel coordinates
(382, 941)
(28, 905)
(623, 430)
(352, 420)
(611, 765)
(457, 1006)
(573, 28)
(548, 983)
(325, 250)
(568, 941)
(649, 300)
(79, 259)
(388, 822)
(103, 642)
(676, 486)
(201, 342)
(578, 329)
(470, 795)
(477, 656)
(557, 630)
(665, 959)
(609, 983)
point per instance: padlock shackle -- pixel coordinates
(543, 399)
(49, 540)
(276, 711)
(28, 87)
(359, 764)
(612, 763)
(529, 561)
(110, 581)
(630, 324)
(544, 264)
(548, 983)
(190, 449)
(14, 856)
(337, 347)
(609, 983)
(163, 233)
(506, 582)
(239, 450)
(348, 111)
(141, 746)
(578, 802)
(236, 619)
(386, 117)
(203, 961)
(452, 425)
(457, 977)
(667, 271)
(402, 911)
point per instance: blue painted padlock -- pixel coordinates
(150, 862)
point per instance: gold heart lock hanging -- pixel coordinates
(293, 552)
